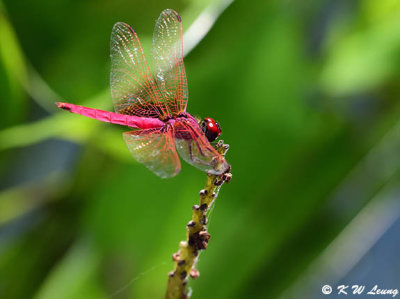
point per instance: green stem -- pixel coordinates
(197, 235)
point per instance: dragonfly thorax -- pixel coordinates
(175, 116)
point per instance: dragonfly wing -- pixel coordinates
(169, 70)
(155, 149)
(133, 89)
(195, 149)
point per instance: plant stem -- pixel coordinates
(197, 236)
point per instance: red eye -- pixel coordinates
(211, 129)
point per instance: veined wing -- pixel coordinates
(195, 149)
(155, 149)
(169, 70)
(133, 89)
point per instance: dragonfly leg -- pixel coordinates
(195, 159)
(201, 152)
(190, 150)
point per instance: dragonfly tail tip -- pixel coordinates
(63, 106)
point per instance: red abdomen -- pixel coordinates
(112, 117)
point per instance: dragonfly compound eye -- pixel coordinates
(211, 129)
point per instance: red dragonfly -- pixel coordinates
(156, 104)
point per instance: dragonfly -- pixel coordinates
(154, 102)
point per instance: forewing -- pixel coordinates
(169, 70)
(133, 89)
(155, 149)
(195, 149)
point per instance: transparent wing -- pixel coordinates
(169, 70)
(195, 149)
(133, 89)
(155, 149)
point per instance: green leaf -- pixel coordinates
(12, 75)
(363, 58)
(75, 276)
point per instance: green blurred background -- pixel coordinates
(307, 95)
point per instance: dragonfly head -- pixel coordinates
(211, 129)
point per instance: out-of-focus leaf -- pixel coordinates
(363, 58)
(34, 244)
(75, 276)
(65, 125)
(12, 74)
(13, 203)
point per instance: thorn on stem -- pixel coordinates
(205, 235)
(204, 245)
(204, 221)
(203, 192)
(195, 252)
(199, 240)
(195, 207)
(171, 274)
(181, 263)
(203, 207)
(218, 182)
(194, 273)
(183, 275)
(191, 223)
(175, 256)
(191, 241)
(227, 177)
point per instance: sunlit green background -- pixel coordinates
(307, 94)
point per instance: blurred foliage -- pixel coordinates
(303, 91)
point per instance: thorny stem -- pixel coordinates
(197, 235)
